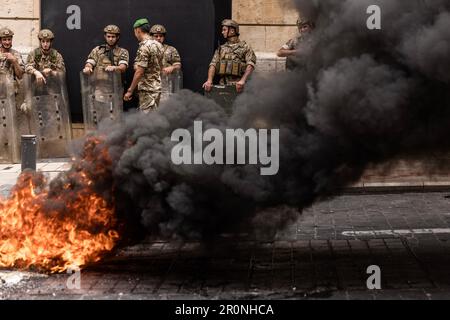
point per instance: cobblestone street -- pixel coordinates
(325, 255)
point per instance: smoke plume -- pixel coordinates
(361, 97)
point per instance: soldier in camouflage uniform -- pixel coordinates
(172, 59)
(171, 62)
(148, 66)
(233, 62)
(45, 60)
(290, 49)
(109, 56)
(11, 62)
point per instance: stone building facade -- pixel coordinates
(22, 16)
(266, 25)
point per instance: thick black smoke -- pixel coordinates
(362, 97)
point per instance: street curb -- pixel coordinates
(399, 187)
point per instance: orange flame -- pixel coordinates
(61, 225)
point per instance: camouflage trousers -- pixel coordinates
(149, 101)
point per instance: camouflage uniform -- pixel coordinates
(231, 61)
(149, 57)
(171, 56)
(38, 61)
(170, 83)
(7, 68)
(100, 57)
(292, 62)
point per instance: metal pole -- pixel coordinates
(29, 150)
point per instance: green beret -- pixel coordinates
(140, 23)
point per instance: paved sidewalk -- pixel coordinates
(399, 176)
(10, 172)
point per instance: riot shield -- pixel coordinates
(9, 148)
(50, 114)
(102, 96)
(223, 96)
(171, 83)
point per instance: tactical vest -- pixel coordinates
(53, 56)
(230, 64)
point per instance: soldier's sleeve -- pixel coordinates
(289, 45)
(124, 57)
(142, 57)
(250, 57)
(20, 60)
(175, 57)
(60, 65)
(158, 53)
(216, 58)
(93, 57)
(30, 66)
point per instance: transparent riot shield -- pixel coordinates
(171, 83)
(9, 148)
(50, 114)
(102, 94)
(223, 96)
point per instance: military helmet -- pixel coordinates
(231, 23)
(158, 28)
(46, 34)
(112, 29)
(6, 32)
(302, 20)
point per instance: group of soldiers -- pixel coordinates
(153, 58)
(235, 61)
(232, 64)
(41, 62)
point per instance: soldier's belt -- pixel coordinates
(230, 68)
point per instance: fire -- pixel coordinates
(67, 223)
